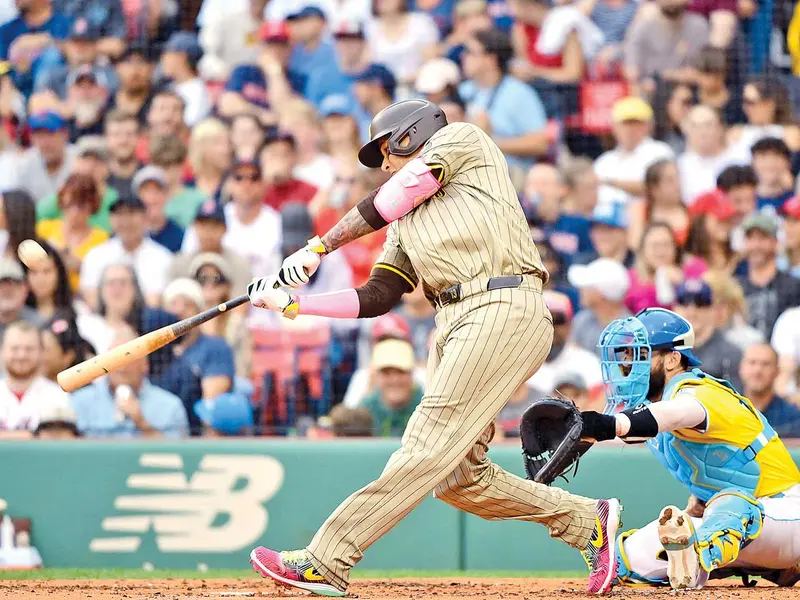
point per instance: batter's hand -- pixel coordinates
(297, 268)
(265, 292)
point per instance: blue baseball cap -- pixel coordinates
(49, 121)
(227, 413)
(612, 214)
(305, 12)
(694, 291)
(82, 29)
(210, 210)
(381, 75)
(187, 43)
(335, 104)
(249, 81)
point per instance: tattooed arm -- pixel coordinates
(351, 227)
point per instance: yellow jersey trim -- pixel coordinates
(397, 271)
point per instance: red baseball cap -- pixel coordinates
(273, 31)
(559, 303)
(791, 208)
(392, 326)
(716, 203)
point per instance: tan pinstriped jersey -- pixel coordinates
(472, 228)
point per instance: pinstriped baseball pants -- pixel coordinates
(486, 346)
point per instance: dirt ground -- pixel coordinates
(420, 589)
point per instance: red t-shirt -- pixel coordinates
(293, 190)
(534, 57)
(704, 8)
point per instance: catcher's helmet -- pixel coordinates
(417, 119)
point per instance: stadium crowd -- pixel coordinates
(166, 152)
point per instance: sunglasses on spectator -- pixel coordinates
(253, 177)
(698, 300)
(215, 279)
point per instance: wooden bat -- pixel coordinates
(89, 370)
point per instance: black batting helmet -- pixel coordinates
(417, 119)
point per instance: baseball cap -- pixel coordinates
(469, 8)
(612, 214)
(761, 222)
(606, 275)
(335, 104)
(83, 30)
(791, 208)
(219, 262)
(306, 12)
(11, 270)
(139, 49)
(273, 31)
(631, 108)
(694, 291)
(228, 413)
(94, 146)
(186, 288)
(297, 225)
(88, 72)
(48, 121)
(249, 81)
(210, 210)
(349, 29)
(186, 43)
(379, 74)
(273, 136)
(558, 304)
(436, 75)
(572, 378)
(715, 203)
(246, 163)
(391, 326)
(130, 201)
(149, 173)
(394, 354)
(57, 414)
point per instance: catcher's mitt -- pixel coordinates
(551, 439)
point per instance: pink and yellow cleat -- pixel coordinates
(292, 568)
(601, 552)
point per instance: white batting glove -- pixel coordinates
(264, 292)
(298, 268)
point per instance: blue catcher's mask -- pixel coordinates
(625, 362)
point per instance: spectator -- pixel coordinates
(581, 187)
(438, 79)
(87, 98)
(613, 18)
(46, 165)
(126, 404)
(502, 105)
(225, 415)
(609, 235)
(203, 366)
(150, 184)
(63, 347)
(49, 292)
(169, 154)
(603, 284)
(122, 132)
(13, 293)
(374, 90)
(227, 40)
(210, 156)
(564, 354)
(396, 395)
(342, 140)
(352, 58)
(790, 261)
(23, 392)
(759, 371)
(103, 17)
(150, 259)
(27, 43)
(720, 357)
(664, 44)
(739, 184)
(165, 118)
(657, 270)
(662, 202)
(399, 38)
(17, 221)
(247, 136)
(671, 104)
(786, 342)
(278, 162)
(312, 165)
(573, 386)
(350, 422)
(772, 163)
(730, 309)
(215, 275)
(454, 109)
(705, 156)
(246, 89)
(469, 17)
(179, 61)
(711, 230)
(57, 421)
(712, 73)
(135, 92)
(312, 50)
(767, 290)
(418, 312)
(624, 167)
(510, 416)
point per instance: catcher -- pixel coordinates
(743, 515)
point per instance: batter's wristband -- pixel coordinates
(317, 246)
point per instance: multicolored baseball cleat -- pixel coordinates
(293, 569)
(677, 535)
(601, 552)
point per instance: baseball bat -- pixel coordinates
(89, 370)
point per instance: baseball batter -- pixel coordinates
(744, 512)
(455, 227)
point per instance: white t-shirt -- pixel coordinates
(572, 359)
(151, 262)
(786, 334)
(258, 242)
(319, 172)
(198, 102)
(698, 174)
(24, 414)
(620, 165)
(403, 56)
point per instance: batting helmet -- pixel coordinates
(417, 119)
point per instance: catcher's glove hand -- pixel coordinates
(551, 439)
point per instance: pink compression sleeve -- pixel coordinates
(407, 189)
(343, 304)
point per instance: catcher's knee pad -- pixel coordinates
(733, 518)
(626, 575)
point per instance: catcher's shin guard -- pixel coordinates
(733, 518)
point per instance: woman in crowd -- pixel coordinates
(657, 271)
(313, 166)
(214, 274)
(247, 136)
(731, 309)
(712, 73)
(662, 202)
(73, 235)
(710, 235)
(63, 347)
(210, 155)
(17, 220)
(50, 293)
(671, 104)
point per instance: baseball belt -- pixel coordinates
(458, 292)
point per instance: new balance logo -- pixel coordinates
(227, 489)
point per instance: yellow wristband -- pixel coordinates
(315, 245)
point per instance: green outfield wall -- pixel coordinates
(197, 502)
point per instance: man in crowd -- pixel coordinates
(278, 160)
(122, 134)
(352, 58)
(87, 99)
(168, 153)
(179, 61)
(312, 50)
(45, 166)
(374, 90)
(126, 404)
(150, 184)
(103, 17)
(759, 370)
(739, 184)
(13, 292)
(164, 118)
(624, 167)
(603, 284)
(396, 395)
(23, 391)
(772, 163)
(767, 290)
(246, 93)
(582, 187)
(135, 73)
(57, 421)
(130, 243)
(609, 235)
(720, 357)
